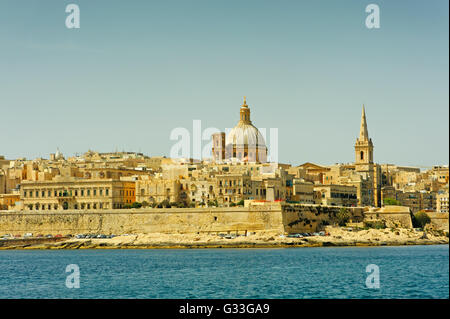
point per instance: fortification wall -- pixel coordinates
(392, 217)
(440, 220)
(165, 220)
(269, 217)
(313, 218)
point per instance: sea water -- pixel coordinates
(325, 272)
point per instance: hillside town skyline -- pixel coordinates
(238, 170)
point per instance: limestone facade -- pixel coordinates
(76, 194)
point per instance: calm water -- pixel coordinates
(405, 272)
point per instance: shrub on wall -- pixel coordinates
(391, 201)
(375, 224)
(136, 205)
(343, 216)
(213, 203)
(420, 219)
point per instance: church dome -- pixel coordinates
(245, 142)
(58, 154)
(245, 134)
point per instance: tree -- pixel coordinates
(420, 219)
(240, 203)
(390, 201)
(165, 203)
(213, 203)
(343, 216)
(182, 204)
(145, 204)
(136, 205)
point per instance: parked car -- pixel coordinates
(80, 236)
(58, 236)
(49, 236)
(27, 235)
(39, 235)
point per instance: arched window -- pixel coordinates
(362, 155)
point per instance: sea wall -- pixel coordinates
(120, 221)
(252, 218)
(440, 220)
(391, 215)
(311, 218)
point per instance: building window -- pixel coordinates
(362, 155)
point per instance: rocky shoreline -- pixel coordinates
(337, 237)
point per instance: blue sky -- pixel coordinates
(135, 70)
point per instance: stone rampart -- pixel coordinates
(276, 217)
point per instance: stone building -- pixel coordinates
(7, 201)
(442, 202)
(336, 195)
(156, 190)
(232, 188)
(79, 194)
(303, 192)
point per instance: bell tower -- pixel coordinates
(363, 147)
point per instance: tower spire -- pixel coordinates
(363, 133)
(245, 102)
